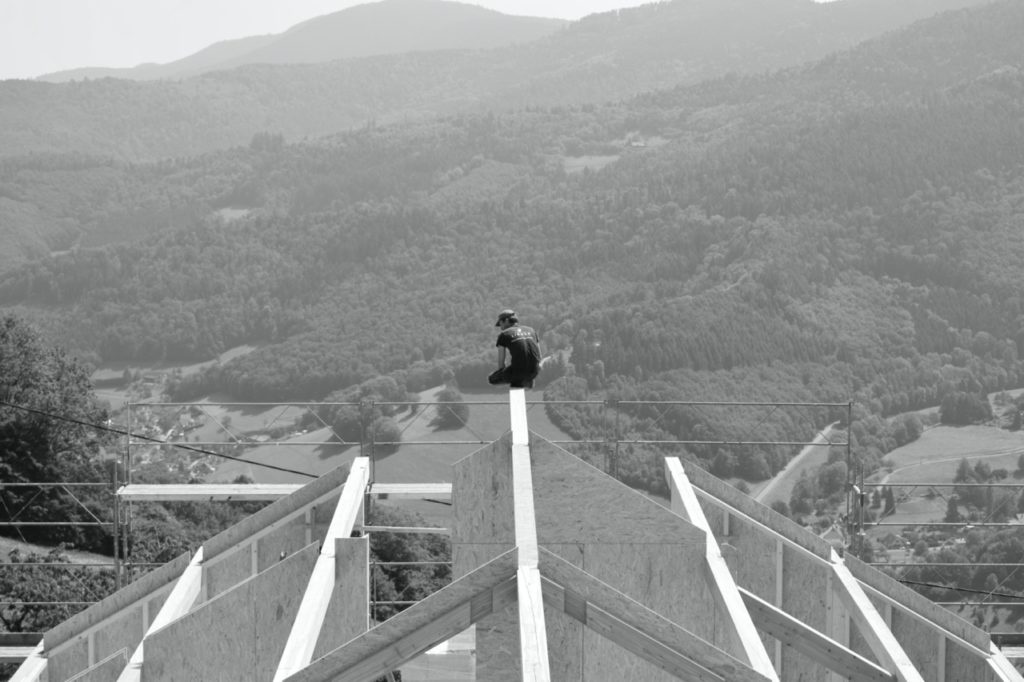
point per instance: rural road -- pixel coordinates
(819, 441)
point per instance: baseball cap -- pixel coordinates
(504, 315)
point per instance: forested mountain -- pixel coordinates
(852, 229)
(599, 58)
(375, 28)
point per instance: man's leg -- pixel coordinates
(499, 376)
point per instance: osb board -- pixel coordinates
(605, 661)
(283, 541)
(307, 495)
(751, 554)
(135, 592)
(155, 604)
(805, 596)
(72, 659)
(483, 515)
(439, 616)
(228, 571)
(124, 632)
(743, 503)
(239, 635)
(107, 671)
(348, 608)
(619, 536)
(907, 599)
(921, 643)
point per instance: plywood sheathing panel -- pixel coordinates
(719, 493)
(287, 539)
(233, 568)
(106, 670)
(920, 641)
(483, 527)
(905, 598)
(122, 633)
(239, 635)
(348, 611)
(315, 492)
(805, 596)
(594, 522)
(72, 659)
(436, 618)
(136, 592)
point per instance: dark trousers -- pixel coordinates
(515, 378)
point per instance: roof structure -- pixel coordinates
(566, 574)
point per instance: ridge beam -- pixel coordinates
(741, 631)
(533, 638)
(811, 643)
(309, 619)
(872, 627)
(637, 628)
(183, 596)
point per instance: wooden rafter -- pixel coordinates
(872, 627)
(637, 628)
(181, 599)
(743, 634)
(450, 610)
(305, 632)
(811, 643)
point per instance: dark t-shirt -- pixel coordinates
(523, 347)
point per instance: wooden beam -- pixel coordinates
(305, 632)
(811, 643)
(411, 489)
(639, 629)
(624, 635)
(33, 668)
(1001, 667)
(420, 530)
(872, 628)
(533, 638)
(438, 617)
(179, 602)
(207, 492)
(740, 630)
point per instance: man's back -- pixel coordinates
(523, 347)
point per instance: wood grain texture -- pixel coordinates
(734, 630)
(627, 622)
(349, 608)
(238, 635)
(274, 514)
(130, 596)
(444, 613)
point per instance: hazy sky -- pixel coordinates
(42, 36)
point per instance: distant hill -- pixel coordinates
(599, 58)
(376, 28)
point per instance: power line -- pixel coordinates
(962, 589)
(183, 446)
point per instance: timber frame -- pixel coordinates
(565, 573)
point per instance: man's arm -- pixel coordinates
(501, 357)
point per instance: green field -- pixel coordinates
(934, 458)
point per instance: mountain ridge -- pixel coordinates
(371, 29)
(600, 58)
